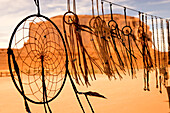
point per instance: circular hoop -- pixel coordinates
(73, 20)
(95, 21)
(112, 25)
(43, 46)
(127, 32)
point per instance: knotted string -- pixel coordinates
(38, 6)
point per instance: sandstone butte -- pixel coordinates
(84, 20)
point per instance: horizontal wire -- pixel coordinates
(134, 10)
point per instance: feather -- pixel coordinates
(90, 93)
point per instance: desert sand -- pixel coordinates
(123, 96)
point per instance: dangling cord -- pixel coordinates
(38, 6)
(68, 5)
(115, 34)
(74, 62)
(97, 7)
(92, 8)
(140, 28)
(115, 30)
(143, 51)
(105, 44)
(164, 57)
(153, 34)
(71, 58)
(168, 32)
(125, 15)
(10, 51)
(44, 87)
(139, 19)
(74, 6)
(146, 22)
(168, 36)
(102, 10)
(79, 40)
(76, 92)
(148, 60)
(84, 54)
(111, 11)
(158, 56)
(129, 42)
(157, 31)
(160, 84)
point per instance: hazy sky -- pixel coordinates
(13, 11)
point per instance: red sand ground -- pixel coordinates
(125, 96)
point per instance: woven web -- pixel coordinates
(36, 37)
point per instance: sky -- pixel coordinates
(13, 11)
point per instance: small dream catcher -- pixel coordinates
(38, 61)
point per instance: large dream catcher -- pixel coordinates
(38, 56)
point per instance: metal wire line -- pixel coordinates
(135, 10)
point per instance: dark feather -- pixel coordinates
(90, 93)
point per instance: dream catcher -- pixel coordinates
(99, 41)
(161, 55)
(124, 39)
(115, 41)
(81, 62)
(38, 61)
(37, 58)
(164, 65)
(102, 43)
(79, 58)
(128, 37)
(147, 60)
(115, 34)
